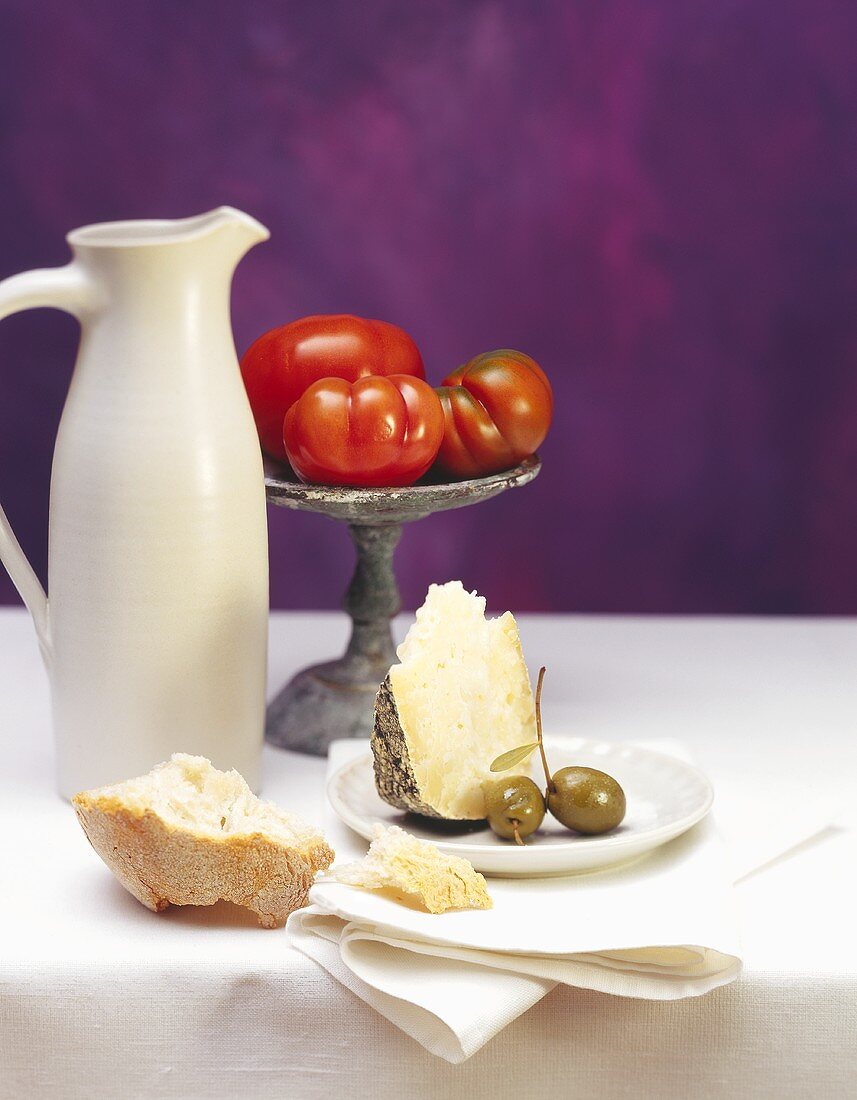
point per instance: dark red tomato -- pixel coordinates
(375, 431)
(497, 409)
(283, 362)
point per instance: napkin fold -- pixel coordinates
(662, 928)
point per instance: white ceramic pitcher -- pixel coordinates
(155, 633)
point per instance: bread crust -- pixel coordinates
(162, 865)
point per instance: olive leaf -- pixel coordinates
(509, 759)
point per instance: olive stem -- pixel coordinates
(518, 840)
(550, 782)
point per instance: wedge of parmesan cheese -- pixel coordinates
(459, 696)
(416, 872)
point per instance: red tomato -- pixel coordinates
(375, 431)
(497, 409)
(282, 363)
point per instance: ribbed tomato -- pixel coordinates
(375, 431)
(497, 409)
(283, 362)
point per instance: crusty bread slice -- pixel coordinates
(188, 834)
(416, 871)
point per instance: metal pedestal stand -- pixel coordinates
(335, 699)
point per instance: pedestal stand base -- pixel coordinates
(321, 704)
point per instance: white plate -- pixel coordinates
(665, 797)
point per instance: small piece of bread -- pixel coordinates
(188, 834)
(416, 871)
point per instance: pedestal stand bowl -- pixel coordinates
(335, 699)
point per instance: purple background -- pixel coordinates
(658, 201)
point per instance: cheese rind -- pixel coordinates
(459, 696)
(394, 776)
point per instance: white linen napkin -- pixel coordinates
(661, 928)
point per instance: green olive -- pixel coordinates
(514, 807)
(586, 800)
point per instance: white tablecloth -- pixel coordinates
(99, 997)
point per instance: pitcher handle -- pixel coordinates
(65, 288)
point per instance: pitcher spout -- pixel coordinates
(229, 232)
(224, 222)
(227, 221)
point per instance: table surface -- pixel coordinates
(118, 1001)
